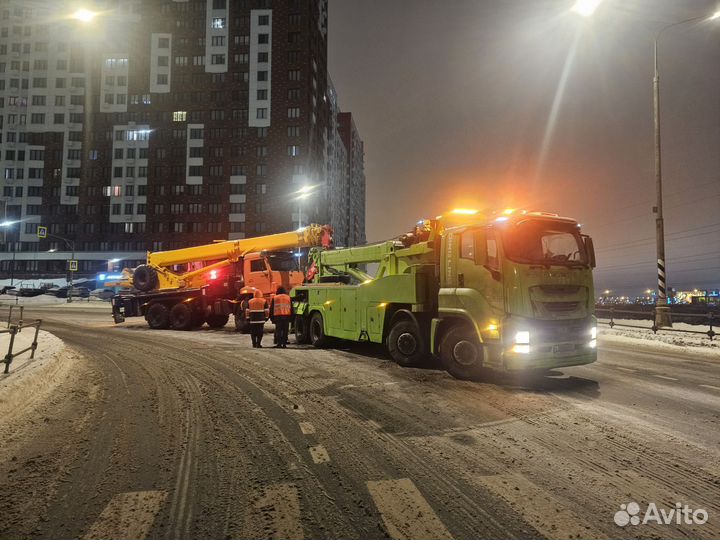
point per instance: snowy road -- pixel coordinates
(196, 435)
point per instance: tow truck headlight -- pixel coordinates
(522, 342)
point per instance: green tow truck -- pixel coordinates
(510, 291)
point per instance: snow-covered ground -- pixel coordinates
(46, 300)
(669, 340)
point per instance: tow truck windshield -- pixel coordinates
(545, 242)
(283, 262)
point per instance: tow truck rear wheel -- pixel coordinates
(461, 353)
(302, 329)
(405, 343)
(217, 320)
(317, 331)
(158, 317)
(181, 317)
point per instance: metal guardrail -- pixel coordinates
(709, 319)
(13, 330)
(10, 312)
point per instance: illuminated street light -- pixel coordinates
(84, 15)
(714, 16)
(586, 7)
(52, 250)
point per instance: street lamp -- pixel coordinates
(662, 311)
(84, 15)
(585, 7)
(6, 225)
(300, 195)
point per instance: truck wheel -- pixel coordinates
(181, 317)
(198, 319)
(158, 317)
(405, 343)
(217, 320)
(317, 331)
(302, 330)
(145, 278)
(241, 324)
(461, 353)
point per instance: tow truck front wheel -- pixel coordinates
(405, 344)
(461, 353)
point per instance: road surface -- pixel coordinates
(167, 434)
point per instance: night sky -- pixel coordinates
(520, 103)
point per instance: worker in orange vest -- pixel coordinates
(281, 315)
(257, 313)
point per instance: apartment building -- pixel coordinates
(158, 124)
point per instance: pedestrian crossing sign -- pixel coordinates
(42, 232)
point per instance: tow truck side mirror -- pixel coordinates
(590, 250)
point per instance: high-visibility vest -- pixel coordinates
(257, 310)
(282, 305)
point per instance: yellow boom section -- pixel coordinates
(233, 250)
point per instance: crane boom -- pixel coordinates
(232, 250)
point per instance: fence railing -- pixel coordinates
(10, 313)
(13, 330)
(610, 315)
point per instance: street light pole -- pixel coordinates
(662, 310)
(69, 244)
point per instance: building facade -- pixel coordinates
(159, 124)
(355, 191)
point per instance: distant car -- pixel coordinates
(6, 289)
(77, 292)
(102, 294)
(30, 292)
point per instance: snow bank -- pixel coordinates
(668, 340)
(46, 300)
(48, 346)
(26, 389)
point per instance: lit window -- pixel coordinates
(179, 116)
(218, 22)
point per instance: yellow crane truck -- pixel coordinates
(511, 290)
(185, 288)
